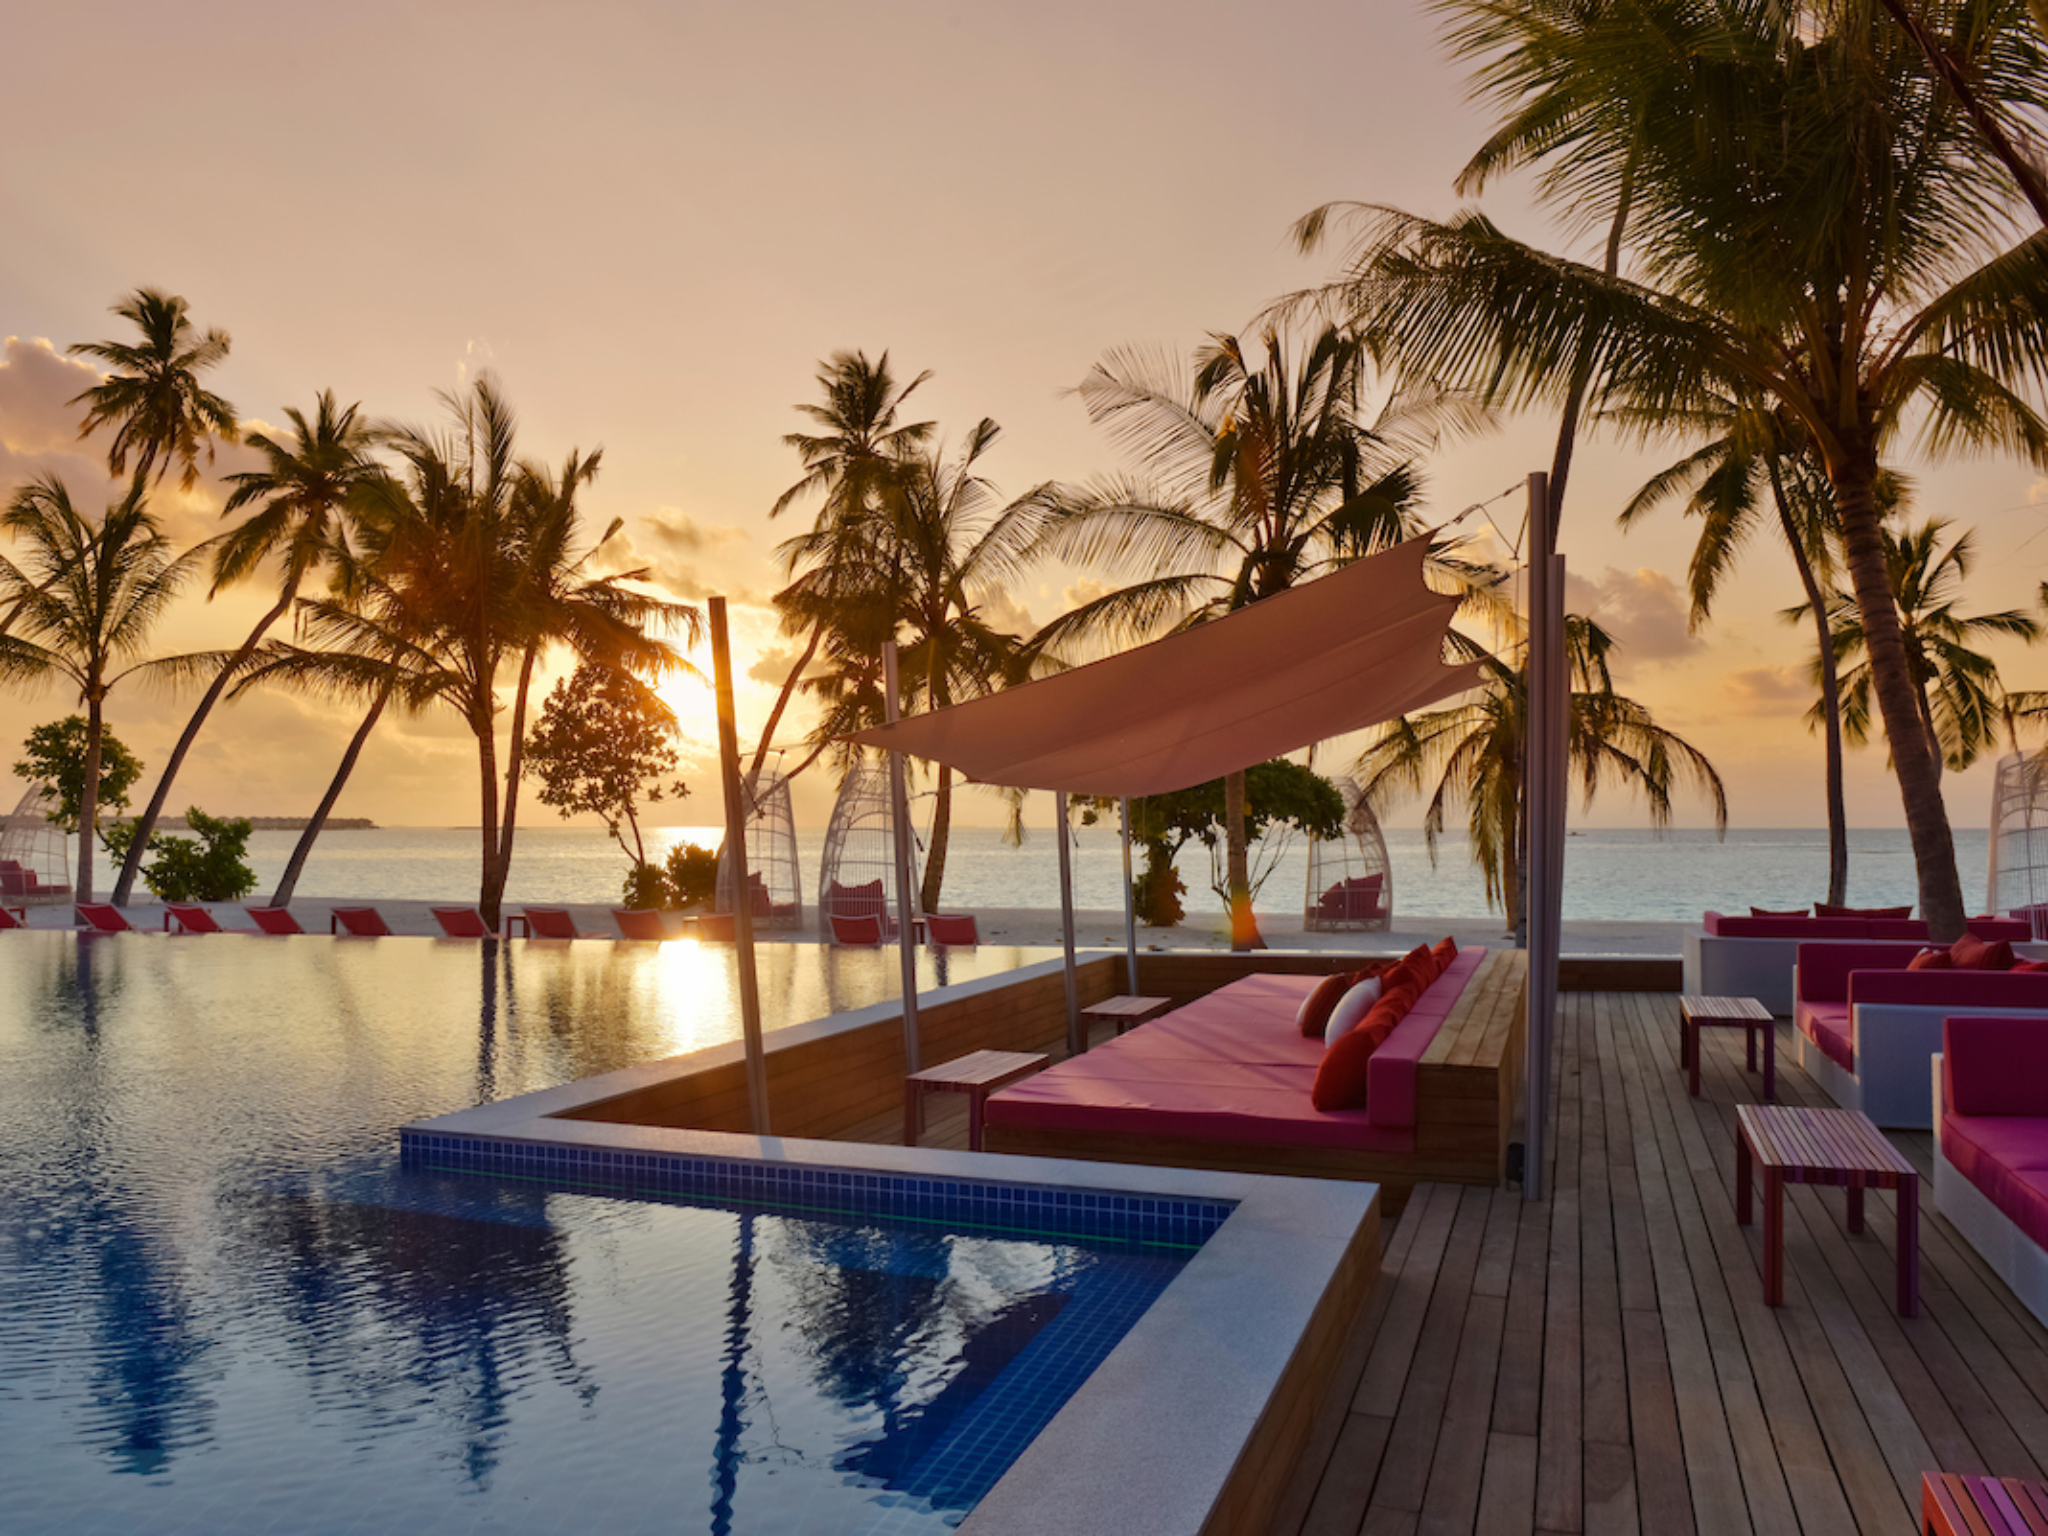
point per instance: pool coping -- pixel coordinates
(1179, 1428)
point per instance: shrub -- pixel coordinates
(209, 867)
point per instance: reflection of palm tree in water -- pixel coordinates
(726, 1454)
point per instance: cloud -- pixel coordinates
(1643, 609)
(1769, 690)
(1086, 590)
(686, 558)
(37, 384)
(1001, 611)
(773, 664)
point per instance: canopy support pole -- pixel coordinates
(1130, 903)
(899, 818)
(1544, 788)
(1075, 1044)
(736, 842)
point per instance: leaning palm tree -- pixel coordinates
(1474, 751)
(1810, 222)
(162, 414)
(301, 495)
(1257, 473)
(1759, 457)
(89, 593)
(1963, 708)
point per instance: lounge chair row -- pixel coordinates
(363, 922)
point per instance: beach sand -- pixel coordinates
(1035, 927)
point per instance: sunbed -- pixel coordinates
(193, 918)
(640, 923)
(101, 918)
(276, 921)
(361, 922)
(951, 928)
(551, 923)
(462, 923)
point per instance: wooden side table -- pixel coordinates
(1823, 1146)
(976, 1075)
(1744, 1013)
(1957, 1504)
(1125, 1012)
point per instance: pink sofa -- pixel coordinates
(1232, 1066)
(1733, 956)
(1991, 1164)
(1867, 1026)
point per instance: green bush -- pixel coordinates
(209, 867)
(646, 886)
(689, 878)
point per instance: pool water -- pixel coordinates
(229, 1307)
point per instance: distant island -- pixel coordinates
(285, 823)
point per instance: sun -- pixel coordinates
(692, 698)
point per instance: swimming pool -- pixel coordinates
(229, 1306)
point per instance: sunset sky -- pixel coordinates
(653, 221)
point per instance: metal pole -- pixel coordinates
(1075, 1044)
(1543, 788)
(736, 841)
(899, 820)
(1130, 904)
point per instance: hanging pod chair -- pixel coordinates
(1350, 880)
(772, 872)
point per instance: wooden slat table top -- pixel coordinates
(1716, 1010)
(1835, 1140)
(1127, 1007)
(981, 1069)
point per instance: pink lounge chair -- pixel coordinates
(192, 918)
(856, 930)
(550, 923)
(101, 918)
(361, 922)
(940, 928)
(462, 923)
(640, 923)
(274, 920)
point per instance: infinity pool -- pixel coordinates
(229, 1307)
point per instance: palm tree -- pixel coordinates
(89, 595)
(301, 494)
(1810, 223)
(164, 414)
(1474, 752)
(1259, 472)
(852, 464)
(1962, 706)
(1758, 452)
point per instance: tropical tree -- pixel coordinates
(1257, 473)
(1811, 221)
(1755, 469)
(604, 742)
(851, 464)
(1474, 751)
(301, 495)
(54, 757)
(161, 413)
(1962, 706)
(89, 594)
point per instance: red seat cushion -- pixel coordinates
(1314, 1015)
(1932, 960)
(1444, 952)
(1341, 1079)
(1971, 953)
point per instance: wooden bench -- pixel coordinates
(977, 1076)
(1958, 1504)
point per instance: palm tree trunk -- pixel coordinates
(130, 865)
(1934, 850)
(515, 758)
(1244, 928)
(490, 888)
(935, 857)
(789, 686)
(303, 849)
(89, 793)
(1831, 713)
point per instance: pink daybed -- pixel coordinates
(1223, 1082)
(1867, 1027)
(1991, 1159)
(1735, 956)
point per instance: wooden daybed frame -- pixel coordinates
(1467, 1082)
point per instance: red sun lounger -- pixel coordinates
(13, 917)
(856, 930)
(361, 922)
(192, 918)
(462, 923)
(102, 918)
(274, 920)
(945, 929)
(552, 923)
(640, 923)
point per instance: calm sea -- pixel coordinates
(1619, 876)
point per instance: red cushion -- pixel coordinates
(1399, 995)
(1419, 957)
(1409, 974)
(1932, 960)
(1824, 909)
(2030, 965)
(1314, 1015)
(1971, 953)
(1444, 952)
(1358, 1000)
(1341, 1079)
(1768, 912)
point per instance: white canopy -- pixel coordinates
(1350, 650)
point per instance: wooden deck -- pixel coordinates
(1603, 1361)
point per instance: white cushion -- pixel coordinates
(1352, 1007)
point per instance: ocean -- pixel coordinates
(1612, 876)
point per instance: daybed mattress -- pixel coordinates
(1232, 1066)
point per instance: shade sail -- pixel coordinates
(1352, 649)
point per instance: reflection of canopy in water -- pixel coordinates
(857, 871)
(771, 858)
(42, 849)
(2019, 833)
(1350, 879)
